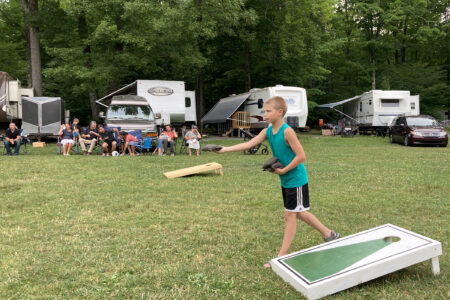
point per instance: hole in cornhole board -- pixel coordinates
(391, 239)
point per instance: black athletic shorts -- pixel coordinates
(109, 143)
(296, 199)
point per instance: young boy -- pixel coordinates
(294, 180)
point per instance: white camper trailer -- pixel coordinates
(375, 109)
(11, 94)
(169, 99)
(252, 103)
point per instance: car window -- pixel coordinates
(422, 122)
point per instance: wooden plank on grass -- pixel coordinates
(217, 168)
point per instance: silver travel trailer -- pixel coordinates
(252, 105)
(375, 109)
(11, 93)
(130, 112)
(42, 116)
(169, 99)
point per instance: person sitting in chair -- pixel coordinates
(67, 139)
(109, 143)
(169, 135)
(12, 139)
(89, 137)
(192, 139)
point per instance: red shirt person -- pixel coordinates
(168, 137)
(130, 143)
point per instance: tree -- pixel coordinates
(30, 13)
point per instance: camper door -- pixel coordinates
(191, 109)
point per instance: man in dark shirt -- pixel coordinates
(12, 139)
(109, 143)
(89, 137)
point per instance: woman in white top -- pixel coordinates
(192, 139)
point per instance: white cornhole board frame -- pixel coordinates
(412, 248)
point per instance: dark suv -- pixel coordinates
(420, 129)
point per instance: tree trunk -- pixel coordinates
(200, 97)
(27, 39)
(372, 60)
(403, 44)
(396, 50)
(30, 9)
(92, 98)
(248, 78)
(35, 53)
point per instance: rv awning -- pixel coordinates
(334, 104)
(224, 108)
(130, 88)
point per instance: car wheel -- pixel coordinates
(406, 141)
(391, 138)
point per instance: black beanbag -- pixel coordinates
(271, 164)
(212, 147)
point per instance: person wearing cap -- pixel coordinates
(192, 139)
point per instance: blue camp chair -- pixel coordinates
(145, 146)
(138, 135)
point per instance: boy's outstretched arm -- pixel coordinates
(294, 143)
(247, 145)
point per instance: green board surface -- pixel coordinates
(319, 264)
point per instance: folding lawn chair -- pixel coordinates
(138, 135)
(59, 146)
(24, 140)
(145, 146)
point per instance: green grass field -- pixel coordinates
(95, 227)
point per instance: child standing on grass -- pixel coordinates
(294, 180)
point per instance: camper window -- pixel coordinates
(390, 103)
(260, 103)
(360, 106)
(136, 112)
(413, 105)
(187, 102)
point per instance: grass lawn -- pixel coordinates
(95, 227)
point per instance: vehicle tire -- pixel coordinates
(391, 138)
(265, 151)
(406, 141)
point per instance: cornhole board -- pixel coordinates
(217, 168)
(343, 263)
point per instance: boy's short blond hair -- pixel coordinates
(278, 103)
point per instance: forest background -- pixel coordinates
(81, 50)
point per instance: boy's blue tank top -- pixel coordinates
(280, 149)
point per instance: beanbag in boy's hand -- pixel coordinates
(212, 147)
(271, 164)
